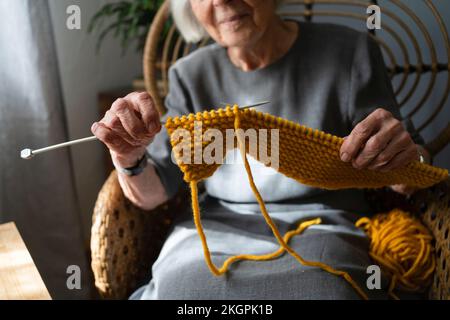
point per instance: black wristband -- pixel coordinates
(138, 168)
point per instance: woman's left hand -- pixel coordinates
(379, 142)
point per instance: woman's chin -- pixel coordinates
(237, 40)
(236, 34)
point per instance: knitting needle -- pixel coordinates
(30, 153)
(248, 107)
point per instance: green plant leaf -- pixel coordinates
(96, 19)
(104, 33)
(129, 21)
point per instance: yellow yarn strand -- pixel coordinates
(274, 229)
(220, 271)
(402, 246)
(283, 241)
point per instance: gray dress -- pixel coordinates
(330, 79)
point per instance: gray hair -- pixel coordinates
(187, 23)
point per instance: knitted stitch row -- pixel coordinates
(309, 156)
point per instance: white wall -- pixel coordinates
(83, 75)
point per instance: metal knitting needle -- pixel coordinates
(30, 153)
(248, 107)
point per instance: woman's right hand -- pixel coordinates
(128, 128)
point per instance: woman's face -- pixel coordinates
(234, 23)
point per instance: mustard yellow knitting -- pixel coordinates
(309, 156)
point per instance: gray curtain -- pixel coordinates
(38, 194)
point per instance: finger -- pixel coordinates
(398, 144)
(110, 138)
(143, 103)
(112, 121)
(361, 133)
(130, 122)
(404, 189)
(373, 147)
(378, 144)
(400, 160)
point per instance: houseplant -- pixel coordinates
(127, 20)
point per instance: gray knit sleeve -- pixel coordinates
(370, 87)
(177, 103)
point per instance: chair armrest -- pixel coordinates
(432, 205)
(126, 240)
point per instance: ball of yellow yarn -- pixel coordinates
(402, 247)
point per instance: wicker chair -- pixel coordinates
(126, 240)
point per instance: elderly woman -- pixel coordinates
(325, 76)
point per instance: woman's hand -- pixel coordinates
(128, 128)
(380, 142)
